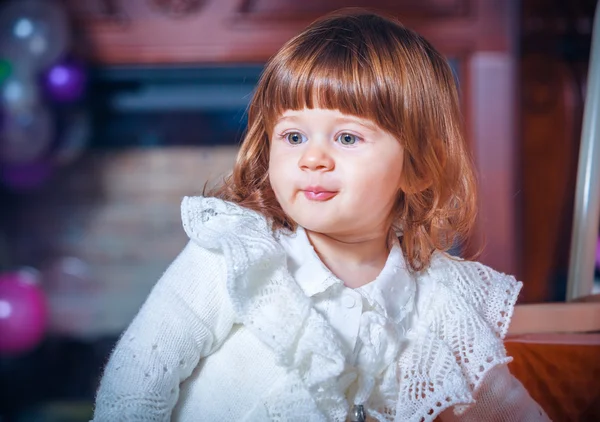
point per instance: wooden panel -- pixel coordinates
(492, 76)
(118, 32)
(291, 9)
(540, 318)
(135, 32)
(555, 48)
(550, 126)
(562, 377)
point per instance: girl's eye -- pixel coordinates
(295, 138)
(347, 139)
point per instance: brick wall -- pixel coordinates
(118, 212)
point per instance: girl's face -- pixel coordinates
(335, 174)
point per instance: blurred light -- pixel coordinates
(23, 28)
(38, 44)
(59, 75)
(74, 266)
(13, 92)
(5, 309)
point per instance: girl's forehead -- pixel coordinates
(330, 113)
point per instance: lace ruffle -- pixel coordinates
(460, 341)
(270, 304)
(380, 343)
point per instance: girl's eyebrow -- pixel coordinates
(338, 120)
(284, 118)
(356, 120)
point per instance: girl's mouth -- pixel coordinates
(318, 194)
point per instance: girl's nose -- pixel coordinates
(316, 158)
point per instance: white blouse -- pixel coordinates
(343, 306)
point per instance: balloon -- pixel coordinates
(26, 134)
(23, 313)
(65, 81)
(19, 92)
(33, 33)
(26, 176)
(73, 137)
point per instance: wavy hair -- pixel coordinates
(370, 66)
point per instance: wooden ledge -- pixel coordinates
(565, 317)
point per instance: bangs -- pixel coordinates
(339, 70)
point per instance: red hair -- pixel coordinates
(369, 66)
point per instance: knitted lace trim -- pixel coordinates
(460, 341)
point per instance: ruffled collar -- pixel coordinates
(391, 293)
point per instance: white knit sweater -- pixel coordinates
(228, 334)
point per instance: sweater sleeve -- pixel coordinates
(500, 398)
(186, 317)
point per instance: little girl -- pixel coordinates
(315, 286)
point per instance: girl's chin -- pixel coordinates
(320, 217)
(319, 226)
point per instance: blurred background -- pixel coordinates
(111, 111)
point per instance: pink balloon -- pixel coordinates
(23, 313)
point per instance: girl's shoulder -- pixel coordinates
(472, 288)
(208, 219)
(242, 236)
(463, 312)
(220, 225)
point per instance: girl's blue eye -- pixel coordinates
(295, 138)
(347, 139)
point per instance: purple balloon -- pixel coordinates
(26, 135)
(23, 313)
(65, 81)
(26, 176)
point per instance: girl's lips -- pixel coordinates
(318, 195)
